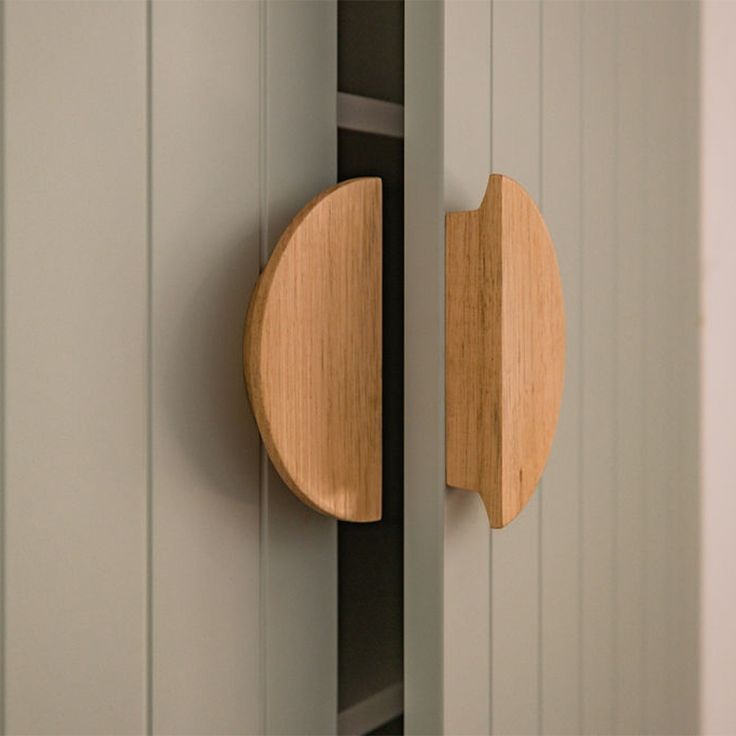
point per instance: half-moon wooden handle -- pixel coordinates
(312, 352)
(505, 348)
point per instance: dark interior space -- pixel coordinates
(370, 556)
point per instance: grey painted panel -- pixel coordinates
(220, 656)
(594, 587)
(669, 372)
(515, 151)
(560, 564)
(631, 490)
(686, 531)
(424, 419)
(299, 546)
(658, 375)
(206, 454)
(598, 305)
(467, 538)
(685, 540)
(75, 349)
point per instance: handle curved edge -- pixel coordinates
(312, 352)
(504, 348)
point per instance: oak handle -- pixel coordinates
(504, 348)
(312, 352)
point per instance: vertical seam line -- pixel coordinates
(3, 454)
(616, 408)
(149, 367)
(263, 258)
(581, 356)
(490, 542)
(646, 500)
(540, 521)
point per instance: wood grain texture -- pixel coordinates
(312, 352)
(505, 348)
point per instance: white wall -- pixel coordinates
(718, 200)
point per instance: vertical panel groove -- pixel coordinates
(630, 244)
(644, 507)
(581, 338)
(3, 290)
(540, 489)
(263, 456)
(149, 370)
(645, 400)
(491, 706)
(559, 540)
(616, 409)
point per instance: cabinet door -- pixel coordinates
(158, 577)
(560, 622)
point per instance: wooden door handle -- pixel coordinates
(312, 352)
(504, 348)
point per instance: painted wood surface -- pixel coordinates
(598, 452)
(560, 549)
(298, 547)
(631, 247)
(504, 348)
(75, 349)
(424, 418)
(312, 352)
(153, 577)
(205, 221)
(515, 560)
(595, 106)
(465, 541)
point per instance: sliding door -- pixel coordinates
(580, 616)
(158, 576)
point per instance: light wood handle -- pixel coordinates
(312, 352)
(505, 348)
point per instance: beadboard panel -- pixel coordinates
(593, 590)
(515, 554)
(205, 242)
(631, 247)
(598, 451)
(75, 286)
(158, 577)
(467, 593)
(560, 546)
(663, 357)
(424, 370)
(299, 547)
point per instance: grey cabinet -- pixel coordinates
(581, 616)
(157, 576)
